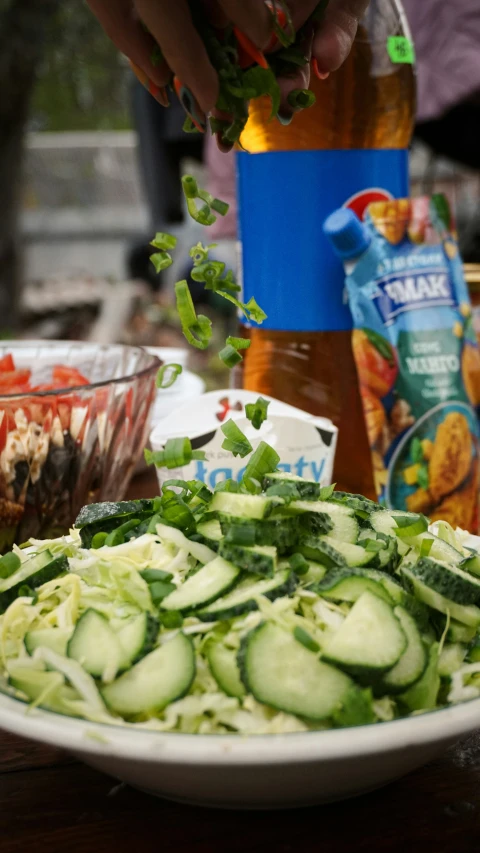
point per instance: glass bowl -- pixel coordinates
(63, 448)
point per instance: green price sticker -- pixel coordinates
(400, 49)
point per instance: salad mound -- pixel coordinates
(290, 609)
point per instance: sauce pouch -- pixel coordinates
(417, 360)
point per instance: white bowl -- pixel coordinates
(256, 772)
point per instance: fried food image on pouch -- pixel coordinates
(471, 372)
(459, 509)
(374, 414)
(451, 456)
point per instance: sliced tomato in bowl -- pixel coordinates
(64, 376)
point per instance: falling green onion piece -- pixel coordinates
(426, 547)
(263, 461)
(161, 261)
(197, 330)
(163, 381)
(230, 356)
(238, 343)
(301, 98)
(235, 441)
(257, 412)
(176, 453)
(163, 241)
(256, 313)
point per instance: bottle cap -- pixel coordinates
(347, 234)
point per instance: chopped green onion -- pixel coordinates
(178, 484)
(189, 127)
(197, 330)
(155, 519)
(410, 525)
(251, 485)
(227, 486)
(9, 564)
(305, 639)
(230, 356)
(26, 591)
(301, 98)
(174, 371)
(263, 461)
(372, 545)
(235, 440)
(151, 575)
(199, 490)
(287, 491)
(98, 540)
(199, 253)
(160, 589)
(299, 564)
(426, 547)
(208, 272)
(189, 186)
(171, 619)
(326, 492)
(161, 260)
(176, 453)
(254, 311)
(163, 241)
(238, 343)
(117, 536)
(176, 513)
(257, 412)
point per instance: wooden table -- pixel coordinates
(50, 803)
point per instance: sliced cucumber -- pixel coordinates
(466, 614)
(413, 661)
(224, 667)
(95, 645)
(344, 524)
(210, 533)
(280, 672)
(259, 559)
(50, 638)
(163, 676)
(241, 506)
(281, 532)
(349, 584)
(439, 550)
(137, 638)
(93, 513)
(451, 658)
(458, 633)
(369, 641)
(34, 572)
(387, 557)
(447, 580)
(212, 580)
(422, 696)
(244, 598)
(332, 552)
(307, 489)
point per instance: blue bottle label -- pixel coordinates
(284, 197)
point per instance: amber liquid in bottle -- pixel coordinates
(368, 103)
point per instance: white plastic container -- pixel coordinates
(306, 444)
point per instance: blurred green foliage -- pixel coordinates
(83, 83)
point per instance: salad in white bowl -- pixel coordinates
(292, 609)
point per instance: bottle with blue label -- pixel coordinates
(416, 353)
(350, 148)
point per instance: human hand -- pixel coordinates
(160, 39)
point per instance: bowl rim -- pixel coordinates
(150, 746)
(145, 371)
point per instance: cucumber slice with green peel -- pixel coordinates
(280, 672)
(50, 638)
(349, 584)
(316, 572)
(163, 676)
(95, 645)
(422, 696)
(369, 641)
(224, 667)
(93, 513)
(307, 489)
(210, 582)
(37, 570)
(137, 638)
(466, 614)
(413, 661)
(244, 598)
(332, 552)
(210, 533)
(354, 555)
(345, 526)
(241, 506)
(471, 564)
(456, 632)
(449, 581)
(259, 559)
(315, 523)
(281, 532)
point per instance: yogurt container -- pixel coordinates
(305, 443)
